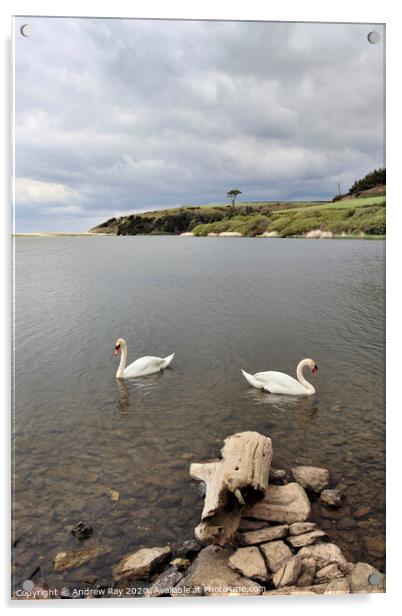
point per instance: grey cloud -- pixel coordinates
(145, 114)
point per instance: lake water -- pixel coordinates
(221, 304)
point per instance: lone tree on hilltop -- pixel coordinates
(232, 194)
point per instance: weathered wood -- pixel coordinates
(239, 478)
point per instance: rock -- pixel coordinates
(325, 554)
(298, 541)
(314, 234)
(278, 476)
(319, 234)
(331, 513)
(269, 234)
(365, 524)
(375, 546)
(337, 587)
(250, 563)
(286, 504)
(142, 563)
(331, 498)
(265, 534)
(189, 548)
(275, 553)
(230, 234)
(328, 573)
(180, 563)
(346, 523)
(299, 528)
(163, 584)
(311, 477)
(362, 512)
(210, 574)
(289, 573)
(359, 578)
(82, 530)
(307, 575)
(319, 589)
(252, 524)
(75, 558)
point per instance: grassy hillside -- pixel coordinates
(351, 216)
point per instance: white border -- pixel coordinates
(288, 10)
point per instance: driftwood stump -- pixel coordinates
(239, 478)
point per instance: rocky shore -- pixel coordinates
(255, 537)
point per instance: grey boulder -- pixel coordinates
(250, 563)
(275, 554)
(286, 504)
(289, 573)
(142, 563)
(311, 477)
(210, 574)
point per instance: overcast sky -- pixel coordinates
(116, 116)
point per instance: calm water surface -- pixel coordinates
(220, 305)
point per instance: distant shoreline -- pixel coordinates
(58, 234)
(292, 237)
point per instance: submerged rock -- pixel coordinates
(375, 546)
(275, 553)
(250, 563)
(311, 477)
(82, 530)
(287, 504)
(142, 563)
(71, 559)
(210, 574)
(331, 498)
(346, 523)
(361, 512)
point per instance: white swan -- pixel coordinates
(280, 383)
(140, 367)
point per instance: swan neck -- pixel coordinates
(300, 377)
(123, 361)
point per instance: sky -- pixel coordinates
(119, 116)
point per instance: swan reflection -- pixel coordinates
(138, 389)
(283, 403)
(124, 401)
